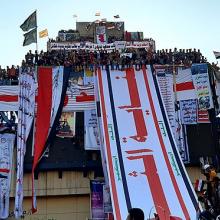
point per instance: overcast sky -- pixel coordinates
(171, 23)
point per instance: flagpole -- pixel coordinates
(37, 34)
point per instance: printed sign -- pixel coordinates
(66, 126)
(202, 86)
(188, 109)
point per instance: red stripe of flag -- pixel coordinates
(85, 98)
(8, 98)
(3, 170)
(44, 100)
(184, 86)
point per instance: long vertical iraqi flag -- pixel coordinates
(144, 166)
(52, 85)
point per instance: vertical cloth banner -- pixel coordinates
(91, 131)
(26, 100)
(202, 86)
(144, 166)
(97, 204)
(52, 84)
(165, 81)
(92, 138)
(181, 138)
(101, 135)
(6, 155)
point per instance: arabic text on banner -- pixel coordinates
(188, 109)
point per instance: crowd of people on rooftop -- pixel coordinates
(117, 60)
(9, 75)
(81, 59)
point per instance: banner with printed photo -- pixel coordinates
(97, 205)
(144, 166)
(181, 138)
(202, 86)
(6, 154)
(79, 96)
(66, 128)
(188, 111)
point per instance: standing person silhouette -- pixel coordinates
(135, 214)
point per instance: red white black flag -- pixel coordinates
(52, 85)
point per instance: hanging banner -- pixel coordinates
(107, 199)
(120, 45)
(26, 101)
(52, 85)
(144, 166)
(97, 205)
(181, 138)
(147, 44)
(66, 128)
(217, 87)
(165, 81)
(202, 85)
(101, 35)
(188, 110)
(80, 96)
(92, 138)
(6, 155)
(203, 116)
(101, 135)
(184, 84)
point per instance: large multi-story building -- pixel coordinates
(64, 174)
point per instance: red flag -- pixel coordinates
(44, 100)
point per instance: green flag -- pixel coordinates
(30, 22)
(30, 37)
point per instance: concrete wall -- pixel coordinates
(65, 198)
(49, 184)
(57, 208)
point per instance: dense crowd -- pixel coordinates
(117, 60)
(81, 59)
(9, 75)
